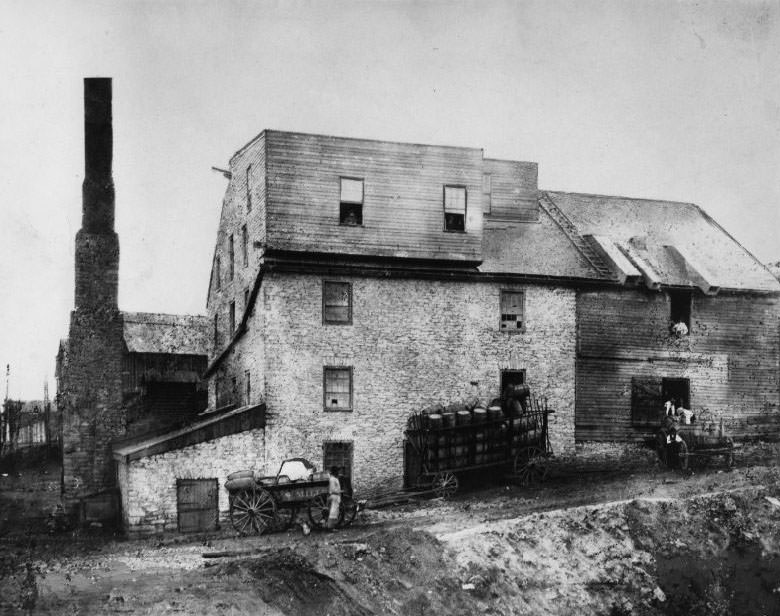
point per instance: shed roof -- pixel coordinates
(180, 334)
(664, 231)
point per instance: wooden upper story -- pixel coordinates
(369, 198)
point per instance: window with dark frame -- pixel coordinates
(454, 208)
(231, 256)
(244, 246)
(338, 453)
(337, 388)
(512, 311)
(248, 189)
(487, 193)
(336, 302)
(680, 307)
(232, 317)
(351, 201)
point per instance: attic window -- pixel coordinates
(351, 202)
(455, 208)
(680, 311)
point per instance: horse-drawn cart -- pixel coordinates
(678, 444)
(445, 445)
(259, 503)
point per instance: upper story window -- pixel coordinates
(244, 246)
(337, 388)
(232, 257)
(680, 312)
(218, 273)
(512, 311)
(351, 202)
(487, 193)
(336, 302)
(248, 189)
(454, 208)
(232, 317)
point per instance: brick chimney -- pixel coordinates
(93, 415)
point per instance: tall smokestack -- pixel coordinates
(98, 186)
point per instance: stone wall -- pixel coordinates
(148, 485)
(411, 344)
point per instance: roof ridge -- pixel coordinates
(582, 194)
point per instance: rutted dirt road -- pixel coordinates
(650, 543)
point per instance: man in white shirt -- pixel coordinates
(334, 498)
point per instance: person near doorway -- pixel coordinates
(334, 498)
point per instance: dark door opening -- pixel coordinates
(677, 390)
(512, 377)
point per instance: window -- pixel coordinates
(337, 389)
(232, 317)
(336, 302)
(680, 308)
(648, 395)
(338, 453)
(454, 208)
(248, 189)
(351, 202)
(512, 377)
(248, 381)
(216, 330)
(231, 256)
(512, 311)
(487, 193)
(218, 274)
(244, 246)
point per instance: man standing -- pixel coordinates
(334, 498)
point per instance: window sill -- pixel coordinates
(332, 410)
(454, 231)
(337, 322)
(513, 331)
(347, 224)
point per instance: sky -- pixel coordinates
(655, 99)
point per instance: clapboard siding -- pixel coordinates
(731, 358)
(403, 212)
(513, 189)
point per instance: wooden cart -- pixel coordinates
(258, 504)
(703, 439)
(519, 444)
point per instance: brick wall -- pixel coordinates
(148, 485)
(412, 344)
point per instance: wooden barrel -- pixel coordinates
(448, 419)
(494, 413)
(479, 415)
(435, 421)
(463, 418)
(242, 483)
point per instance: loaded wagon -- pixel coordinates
(703, 439)
(512, 436)
(259, 503)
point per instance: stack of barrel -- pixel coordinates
(524, 424)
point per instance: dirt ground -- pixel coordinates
(651, 542)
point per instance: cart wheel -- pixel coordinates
(252, 511)
(348, 511)
(530, 466)
(319, 510)
(445, 484)
(682, 456)
(284, 518)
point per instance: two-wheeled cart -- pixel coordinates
(260, 503)
(703, 439)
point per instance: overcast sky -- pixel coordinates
(670, 100)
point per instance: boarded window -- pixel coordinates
(512, 311)
(232, 317)
(337, 389)
(232, 257)
(351, 201)
(197, 504)
(647, 403)
(337, 453)
(487, 193)
(248, 189)
(454, 208)
(336, 302)
(244, 246)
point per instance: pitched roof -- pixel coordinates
(679, 242)
(182, 334)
